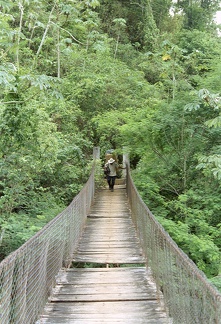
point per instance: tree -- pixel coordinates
(161, 10)
(120, 25)
(209, 101)
(198, 14)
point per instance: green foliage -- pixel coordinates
(200, 249)
(211, 103)
(167, 142)
(17, 228)
(198, 14)
(216, 281)
(161, 9)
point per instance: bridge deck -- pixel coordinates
(112, 285)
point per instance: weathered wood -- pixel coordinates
(106, 312)
(104, 284)
(110, 294)
(110, 236)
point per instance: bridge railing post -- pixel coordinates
(126, 160)
(96, 153)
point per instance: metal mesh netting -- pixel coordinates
(28, 274)
(188, 295)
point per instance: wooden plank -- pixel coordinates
(92, 288)
(105, 312)
(108, 318)
(108, 284)
(113, 245)
(108, 259)
(111, 310)
(106, 275)
(109, 248)
(110, 221)
(65, 320)
(98, 297)
(123, 308)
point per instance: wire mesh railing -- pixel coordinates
(189, 298)
(28, 274)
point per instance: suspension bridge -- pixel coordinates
(105, 259)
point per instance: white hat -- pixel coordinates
(111, 160)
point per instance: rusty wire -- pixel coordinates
(188, 295)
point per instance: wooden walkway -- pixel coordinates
(112, 285)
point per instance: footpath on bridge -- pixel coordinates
(108, 282)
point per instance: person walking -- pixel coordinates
(111, 166)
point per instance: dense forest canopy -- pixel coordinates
(141, 73)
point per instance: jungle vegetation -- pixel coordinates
(145, 74)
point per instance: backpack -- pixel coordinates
(107, 170)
